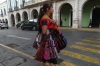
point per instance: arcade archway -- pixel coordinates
(25, 16)
(34, 14)
(66, 15)
(18, 17)
(96, 17)
(12, 20)
(91, 10)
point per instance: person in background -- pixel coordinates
(90, 23)
(35, 18)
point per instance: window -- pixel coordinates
(4, 11)
(1, 12)
(16, 2)
(23, 1)
(10, 3)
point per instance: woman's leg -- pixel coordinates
(56, 65)
(43, 63)
(51, 64)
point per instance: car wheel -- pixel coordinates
(7, 27)
(17, 26)
(22, 28)
(34, 28)
(2, 28)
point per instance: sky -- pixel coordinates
(2, 1)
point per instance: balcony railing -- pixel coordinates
(33, 2)
(10, 9)
(16, 8)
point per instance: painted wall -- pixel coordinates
(65, 12)
(86, 11)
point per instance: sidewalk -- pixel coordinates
(82, 29)
(13, 57)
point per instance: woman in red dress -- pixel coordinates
(46, 22)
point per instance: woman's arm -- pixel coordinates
(44, 29)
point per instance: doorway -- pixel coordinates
(96, 17)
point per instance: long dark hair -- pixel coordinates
(43, 10)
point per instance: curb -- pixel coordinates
(82, 29)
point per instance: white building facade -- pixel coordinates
(68, 13)
(3, 12)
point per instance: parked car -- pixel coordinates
(19, 23)
(30, 25)
(4, 25)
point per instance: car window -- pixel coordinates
(31, 22)
(35, 20)
(18, 22)
(22, 21)
(26, 22)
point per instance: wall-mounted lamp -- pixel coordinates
(94, 6)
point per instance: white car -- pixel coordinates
(4, 25)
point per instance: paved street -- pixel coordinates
(16, 48)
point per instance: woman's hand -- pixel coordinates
(53, 21)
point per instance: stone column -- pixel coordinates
(75, 15)
(29, 15)
(15, 20)
(56, 14)
(54, 7)
(21, 16)
(80, 18)
(9, 20)
(58, 17)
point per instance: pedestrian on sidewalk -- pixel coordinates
(90, 23)
(43, 20)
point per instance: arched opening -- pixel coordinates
(12, 20)
(3, 20)
(18, 17)
(66, 15)
(34, 14)
(25, 16)
(91, 11)
(96, 17)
